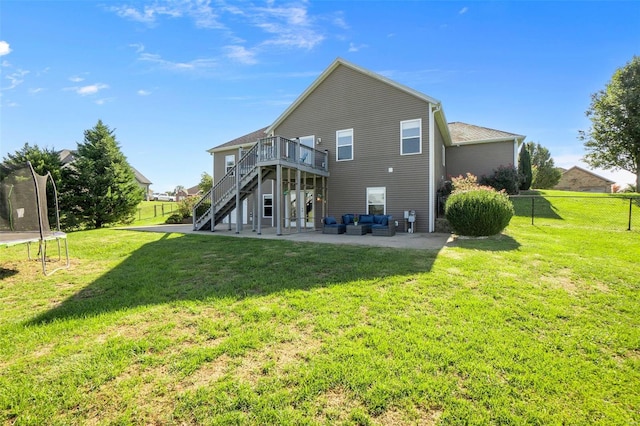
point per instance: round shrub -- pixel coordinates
(174, 218)
(478, 213)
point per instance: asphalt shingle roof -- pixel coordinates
(469, 133)
(242, 140)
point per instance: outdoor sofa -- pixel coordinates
(379, 224)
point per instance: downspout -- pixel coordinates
(432, 164)
(515, 153)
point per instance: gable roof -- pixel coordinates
(246, 140)
(342, 62)
(67, 157)
(463, 133)
(576, 168)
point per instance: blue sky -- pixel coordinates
(175, 78)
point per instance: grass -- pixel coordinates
(538, 326)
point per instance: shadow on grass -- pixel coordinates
(194, 267)
(531, 201)
(494, 243)
(6, 273)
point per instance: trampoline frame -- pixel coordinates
(42, 235)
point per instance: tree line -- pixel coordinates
(96, 189)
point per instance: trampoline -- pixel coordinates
(24, 216)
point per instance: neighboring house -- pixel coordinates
(579, 179)
(353, 142)
(67, 156)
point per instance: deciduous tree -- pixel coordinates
(613, 141)
(206, 182)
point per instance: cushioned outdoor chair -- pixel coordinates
(331, 226)
(383, 226)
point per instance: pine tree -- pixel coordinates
(524, 167)
(99, 187)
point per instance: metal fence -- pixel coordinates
(155, 210)
(615, 212)
(605, 212)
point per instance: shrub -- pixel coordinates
(174, 218)
(478, 212)
(185, 206)
(503, 178)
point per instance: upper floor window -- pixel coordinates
(229, 162)
(410, 137)
(344, 145)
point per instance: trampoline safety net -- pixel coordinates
(24, 214)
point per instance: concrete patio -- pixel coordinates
(419, 241)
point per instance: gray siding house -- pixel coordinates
(353, 142)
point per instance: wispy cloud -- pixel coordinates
(91, 89)
(200, 11)
(241, 54)
(35, 90)
(143, 92)
(199, 65)
(463, 10)
(355, 47)
(289, 26)
(16, 78)
(4, 48)
(103, 101)
(76, 79)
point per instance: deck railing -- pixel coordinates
(268, 150)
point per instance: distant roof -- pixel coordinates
(67, 156)
(463, 133)
(248, 139)
(589, 172)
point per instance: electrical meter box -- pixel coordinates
(412, 216)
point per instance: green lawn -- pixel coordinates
(539, 326)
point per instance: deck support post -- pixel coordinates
(278, 197)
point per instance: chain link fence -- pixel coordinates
(605, 212)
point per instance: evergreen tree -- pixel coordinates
(99, 187)
(43, 160)
(524, 167)
(545, 173)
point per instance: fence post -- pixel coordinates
(630, 209)
(533, 203)
(155, 210)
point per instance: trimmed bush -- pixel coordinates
(503, 178)
(174, 218)
(478, 213)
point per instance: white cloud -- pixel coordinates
(103, 101)
(16, 78)
(4, 48)
(91, 89)
(76, 79)
(354, 48)
(143, 92)
(200, 11)
(241, 54)
(139, 47)
(35, 90)
(463, 10)
(194, 65)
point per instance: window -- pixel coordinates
(376, 200)
(267, 205)
(229, 162)
(344, 145)
(410, 137)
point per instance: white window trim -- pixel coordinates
(419, 120)
(264, 198)
(384, 188)
(226, 166)
(352, 144)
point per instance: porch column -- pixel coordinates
(299, 202)
(259, 195)
(278, 197)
